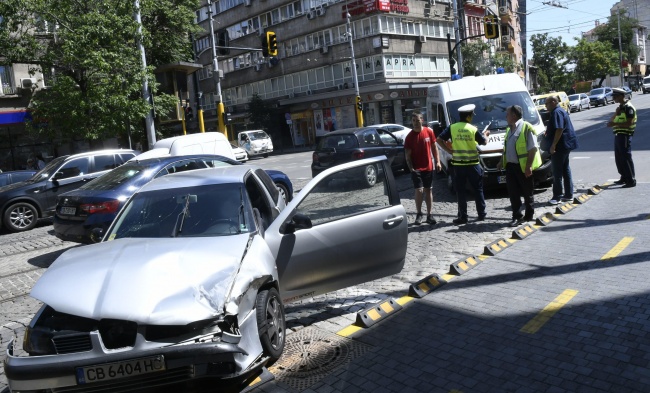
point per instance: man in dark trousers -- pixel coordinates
(520, 158)
(421, 157)
(561, 139)
(464, 159)
(623, 122)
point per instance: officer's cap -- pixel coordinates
(469, 108)
(618, 90)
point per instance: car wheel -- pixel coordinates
(265, 155)
(20, 217)
(270, 322)
(284, 192)
(580, 108)
(370, 178)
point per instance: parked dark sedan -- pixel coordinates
(96, 204)
(11, 177)
(352, 144)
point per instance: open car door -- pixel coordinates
(339, 232)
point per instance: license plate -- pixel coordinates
(128, 368)
(502, 179)
(68, 210)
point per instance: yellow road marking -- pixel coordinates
(348, 331)
(547, 312)
(618, 248)
(404, 299)
(448, 277)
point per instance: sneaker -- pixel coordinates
(460, 221)
(418, 219)
(431, 220)
(567, 199)
(553, 201)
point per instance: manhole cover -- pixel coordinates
(312, 354)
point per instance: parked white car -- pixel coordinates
(240, 154)
(579, 101)
(399, 131)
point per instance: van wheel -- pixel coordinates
(20, 217)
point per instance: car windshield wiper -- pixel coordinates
(180, 220)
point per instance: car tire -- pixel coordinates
(266, 155)
(580, 108)
(370, 176)
(20, 217)
(284, 192)
(270, 322)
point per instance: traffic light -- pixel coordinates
(359, 103)
(271, 43)
(226, 118)
(491, 26)
(223, 42)
(265, 45)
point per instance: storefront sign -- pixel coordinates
(379, 96)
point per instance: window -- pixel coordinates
(104, 163)
(73, 168)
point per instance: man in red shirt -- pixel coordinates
(420, 147)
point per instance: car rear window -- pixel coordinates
(342, 141)
(121, 175)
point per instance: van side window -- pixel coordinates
(440, 116)
(104, 162)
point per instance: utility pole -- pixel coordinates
(620, 46)
(221, 126)
(197, 93)
(358, 105)
(149, 127)
(457, 34)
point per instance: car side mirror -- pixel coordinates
(298, 221)
(96, 235)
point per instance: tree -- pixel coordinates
(549, 56)
(260, 113)
(608, 33)
(93, 53)
(474, 58)
(506, 62)
(593, 59)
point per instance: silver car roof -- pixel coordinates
(200, 177)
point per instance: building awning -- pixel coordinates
(181, 66)
(14, 117)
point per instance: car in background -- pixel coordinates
(579, 101)
(645, 86)
(628, 92)
(23, 203)
(96, 204)
(191, 279)
(255, 142)
(601, 96)
(540, 100)
(399, 131)
(240, 154)
(11, 177)
(351, 144)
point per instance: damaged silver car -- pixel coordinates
(191, 279)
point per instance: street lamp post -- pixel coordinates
(358, 104)
(221, 126)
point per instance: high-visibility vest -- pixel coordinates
(521, 148)
(463, 144)
(622, 118)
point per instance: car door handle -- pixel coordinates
(392, 222)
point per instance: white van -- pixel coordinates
(201, 143)
(491, 94)
(255, 142)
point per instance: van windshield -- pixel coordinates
(258, 135)
(490, 110)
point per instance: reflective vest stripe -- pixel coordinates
(463, 144)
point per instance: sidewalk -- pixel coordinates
(565, 309)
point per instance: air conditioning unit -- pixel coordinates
(247, 3)
(505, 39)
(292, 95)
(320, 11)
(28, 83)
(436, 13)
(503, 10)
(311, 14)
(258, 67)
(422, 39)
(309, 92)
(324, 49)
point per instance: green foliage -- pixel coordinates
(593, 59)
(607, 33)
(259, 112)
(549, 56)
(475, 57)
(95, 58)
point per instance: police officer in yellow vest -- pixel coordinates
(623, 122)
(520, 158)
(464, 159)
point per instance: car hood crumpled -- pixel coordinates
(171, 281)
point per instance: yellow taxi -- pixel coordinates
(540, 100)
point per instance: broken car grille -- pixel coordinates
(72, 343)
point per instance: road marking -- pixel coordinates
(348, 331)
(618, 248)
(547, 312)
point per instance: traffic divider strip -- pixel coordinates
(523, 231)
(545, 219)
(580, 199)
(464, 265)
(375, 313)
(564, 208)
(426, 285)
(595, 190)
(496, 247)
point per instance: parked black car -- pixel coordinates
(96, 204)
(352, 144)
(11, 177)
(23, 203)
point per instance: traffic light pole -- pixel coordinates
(198, 95)
(358, 106)
(221, 126)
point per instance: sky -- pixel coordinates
(578, 16)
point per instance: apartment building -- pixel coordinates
(400, 48)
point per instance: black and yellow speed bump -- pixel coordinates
(580, 199)
(595, 190)
(496, 247)
(374, 314)
(564, 208)
(426, 285)
(545, 219)
(464, 265)
(523, 231)
(255, 381)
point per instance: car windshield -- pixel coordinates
(49, 169)
(340, 141)
(201, 211)
(597, 91)
(258, 135)
(490, 110)
(133, 174)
